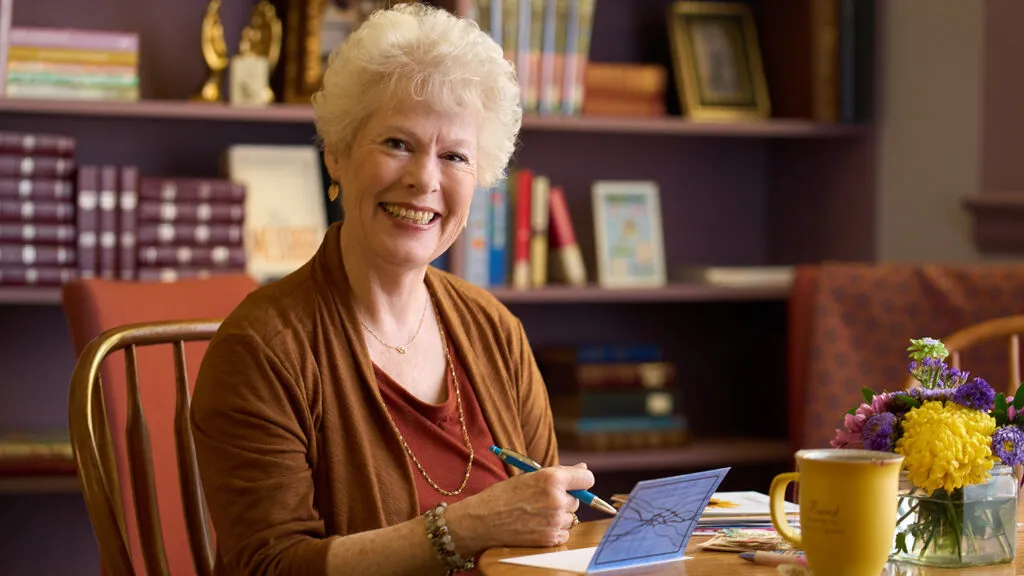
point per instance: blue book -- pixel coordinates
(478, 268)
(498, 230)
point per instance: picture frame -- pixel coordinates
(628, 234)
(313, 29)
(716, 58)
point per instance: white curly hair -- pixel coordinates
(421, 52)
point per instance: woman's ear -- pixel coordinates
(334, 164)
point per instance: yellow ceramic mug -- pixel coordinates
(847, 509)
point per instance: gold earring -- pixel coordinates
(333, 191)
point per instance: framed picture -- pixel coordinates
(717, 61)
(627, 230)
(313, 30)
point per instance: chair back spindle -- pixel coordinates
(94, 450)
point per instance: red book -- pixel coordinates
(521, 245)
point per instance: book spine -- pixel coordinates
(539, 213)
(36, 189)
(108, 222)
(33, 144)
(521, 246)
(36, 255)
(87, 220)
(192, 256)
(38, 233)
(74, 39)
(51, 212)
(72, 55)
(189, 233)
(477, 252)
(208, 212)
(168, 274)
(498, 230)
(191, 190)
(30, 166)
(563, 240)
(36, 275)
(127, 222)
(6, 9)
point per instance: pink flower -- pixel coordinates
(851, 437)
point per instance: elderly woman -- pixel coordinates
(341, 408)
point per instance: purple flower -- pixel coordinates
(1008, 445)
(882, 402)
(878, 432)
(926, 395)
(976, 394)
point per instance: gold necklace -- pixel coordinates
(405, 347)
(462, 422)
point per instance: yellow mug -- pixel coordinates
(847, 509)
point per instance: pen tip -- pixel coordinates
(747, 555)
(495, 449)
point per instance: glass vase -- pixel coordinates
(970, 526)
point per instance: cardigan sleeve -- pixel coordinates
(534, 406)
(252, 431)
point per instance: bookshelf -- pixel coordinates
(302, 114)
(782, 191)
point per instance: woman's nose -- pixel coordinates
(423, 174)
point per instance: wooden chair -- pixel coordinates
(123, 380)
(94, 450)
(1009, 327)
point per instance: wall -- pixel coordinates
(931, 128)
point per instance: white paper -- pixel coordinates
(576, 560)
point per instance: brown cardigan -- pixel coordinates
(290, 431)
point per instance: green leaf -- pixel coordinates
(1018, 400)
(909, 400)
(901, 542)
(868, 393)
(851, 411)
(1001, 403)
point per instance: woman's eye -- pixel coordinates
(454, 157)
(395, 144)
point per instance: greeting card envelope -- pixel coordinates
(653, 526)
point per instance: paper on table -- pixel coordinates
(568, 560)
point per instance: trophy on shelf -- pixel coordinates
(258, 54)
(215, 53)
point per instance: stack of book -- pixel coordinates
(37, 210)
(72, 64)
(190, 227)
(625, 90)
(612, 397)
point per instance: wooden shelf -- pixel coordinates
(41, 295)
(40, 484)
(47, 295)
(160, 110)
(303, 114)
(699, 454)
(672, 293)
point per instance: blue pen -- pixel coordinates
(527, 464)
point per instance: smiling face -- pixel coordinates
(407, 182)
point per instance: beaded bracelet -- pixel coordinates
(441, 540)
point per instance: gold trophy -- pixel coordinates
(262, 38)
(215, 53)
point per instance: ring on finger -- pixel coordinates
(575, 521)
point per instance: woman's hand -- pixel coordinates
(530, 509)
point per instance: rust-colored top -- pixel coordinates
(434, 435)
(291, 436)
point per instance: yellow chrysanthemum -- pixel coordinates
(946, 446)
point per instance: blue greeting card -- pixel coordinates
(654, 525)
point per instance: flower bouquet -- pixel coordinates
(960, 441)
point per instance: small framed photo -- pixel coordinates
(716, 58)
(627, 230)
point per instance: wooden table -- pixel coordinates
(707, 563)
